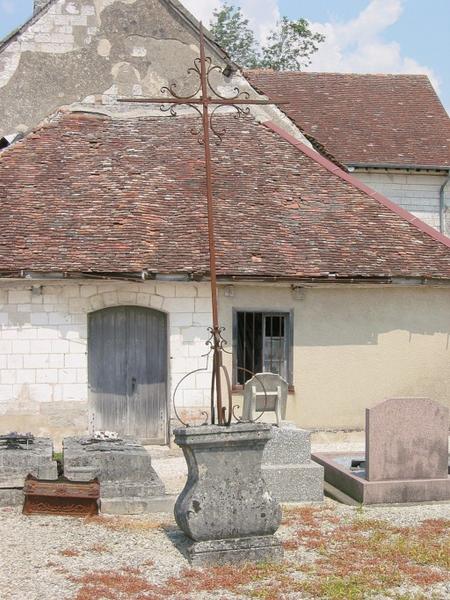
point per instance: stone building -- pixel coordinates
(104, 295)
(390, 131)
(87, 53)
(104, 288)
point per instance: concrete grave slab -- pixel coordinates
(288, 470)
(16, 463)
(128, 482)
(406, 458)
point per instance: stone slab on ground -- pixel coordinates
(11, 497)
(138, 506)
(295, 483)
(128, 481)
(262, 549)
(16, 463)
(354, 483)
(287, 467)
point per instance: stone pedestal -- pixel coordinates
(128, 482)
(288, 470)
(225, 509)
(16, 463)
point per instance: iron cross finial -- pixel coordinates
(205, 98)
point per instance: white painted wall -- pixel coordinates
(43, 346)
(417, 192)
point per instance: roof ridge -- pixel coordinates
(347, 177)
(175, 5)
(341, 73)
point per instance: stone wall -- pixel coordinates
(43, 347)
(87, 53)
(417, 192)
(355, 346)
(90, 50)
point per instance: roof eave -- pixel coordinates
(397, 166)
(294, 280)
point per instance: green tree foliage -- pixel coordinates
(289, 46)
(232, 32)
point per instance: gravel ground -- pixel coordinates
(43, 558)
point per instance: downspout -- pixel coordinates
(442, 224)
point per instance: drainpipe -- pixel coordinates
(442, 224)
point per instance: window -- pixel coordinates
(262, 344)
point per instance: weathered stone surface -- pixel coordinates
(36, 460)
(289, 445)
(16, 464)
(124, 469)
(11, 497)
(354, 484)
(287, 467)
(235, 551)
(136, 506)
(295, 483)
(407, 438)
(225, 498)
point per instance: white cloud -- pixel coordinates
(202, 9)
(262, 20)
(353, 46)
(358, 46)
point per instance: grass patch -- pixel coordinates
(349, 559)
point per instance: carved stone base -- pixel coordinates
(225, 509)
(235, 551)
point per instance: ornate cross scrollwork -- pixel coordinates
(208, 101)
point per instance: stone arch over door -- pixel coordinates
(128, 372)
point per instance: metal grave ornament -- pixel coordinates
(207, 101)
(225, 509)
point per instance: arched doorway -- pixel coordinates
(127, 365)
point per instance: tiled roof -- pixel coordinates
(365, 119)
(91, 194)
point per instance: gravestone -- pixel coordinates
(21, 459)
(128, 482)
(288, 470)
(406, 457)
(407, 438)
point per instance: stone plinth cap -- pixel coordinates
(212, 434)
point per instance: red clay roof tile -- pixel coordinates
(365, 119)
(91, 194)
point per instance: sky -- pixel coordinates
(363, 36)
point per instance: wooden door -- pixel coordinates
(127, 365)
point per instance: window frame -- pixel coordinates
(289, 331)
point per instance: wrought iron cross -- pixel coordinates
(202, 100)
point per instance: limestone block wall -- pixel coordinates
(91, 50)
(417, 192)
(87, 53)
(43, 347)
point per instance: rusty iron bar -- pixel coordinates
(208, 100)
(203, 68)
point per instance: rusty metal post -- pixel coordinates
(203, 67)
